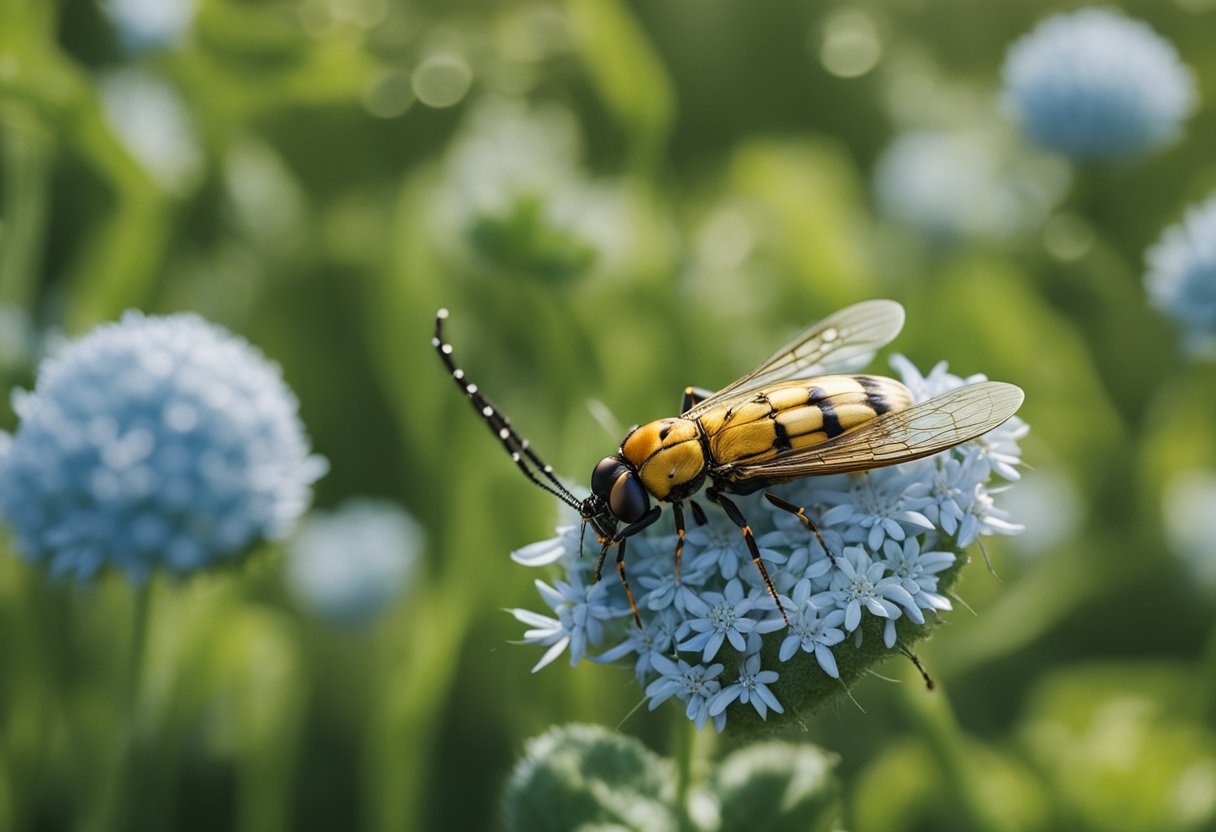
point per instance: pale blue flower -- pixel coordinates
(751, 687)
(939, 380)
(150, 24)
(943, 491)
(656, 637)
(812, 629)
(694, 685)
(984, 518)
(581, 612)
(1181, 279)
(348, 565)
(718, 617)
(807, 559)
(917, 571)
(951, 185)
(155, 441)
(552, 550)
(716, 545)
(863, 585)
(661, 590)
(998, 452)
(1096, 84)
(874, 509)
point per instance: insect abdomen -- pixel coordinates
(797, 414)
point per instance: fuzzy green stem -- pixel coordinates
(933, 720)
(404, 728)
(693, 752)
(119, 808)
(683, 738)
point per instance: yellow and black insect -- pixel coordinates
(798, 414)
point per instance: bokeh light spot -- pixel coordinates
(851, 46)
(1068, 237)
(389, 94)
(442, 80)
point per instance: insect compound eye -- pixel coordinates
(605, 474)
(629, 500)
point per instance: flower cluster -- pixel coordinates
(349, 564)
(1095, 84)
(1181, 279)
(150, 24)
(714, 639)
(154, 441)
(951, 185)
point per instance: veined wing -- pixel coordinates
(924, 429)
(842, 342)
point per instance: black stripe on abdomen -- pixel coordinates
(831, 423)
(781, 440)
(875, 394)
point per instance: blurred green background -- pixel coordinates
(688, 184)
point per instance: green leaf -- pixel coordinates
(776, 787)
(626, 72)
(586, 777)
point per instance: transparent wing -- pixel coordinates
(842, 342)
(927, 428)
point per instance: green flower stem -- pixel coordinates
(119, 812)
(933, 720)
(404, 728)
(693, 751)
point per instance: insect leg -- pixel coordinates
(736, 516)
(800, 513)
(645, 520)
(698, 513)
(912, 657)
(678, 511)
(599, 564)
(620, 570)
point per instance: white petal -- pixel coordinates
(552, 653)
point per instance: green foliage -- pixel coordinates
(1120, 750)
(521, 241)
(586, 777)
(774, 787)
(743, 169)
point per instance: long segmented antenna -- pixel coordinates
(521, 453)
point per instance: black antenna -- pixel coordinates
(521, 453)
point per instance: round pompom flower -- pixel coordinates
(348, 565)
(154, 441)
(1181, 279)
(1095, 84)
(956, 185)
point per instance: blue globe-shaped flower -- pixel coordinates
(350, 564)
(155, 441)
(1181, 279)
(1096, 84)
